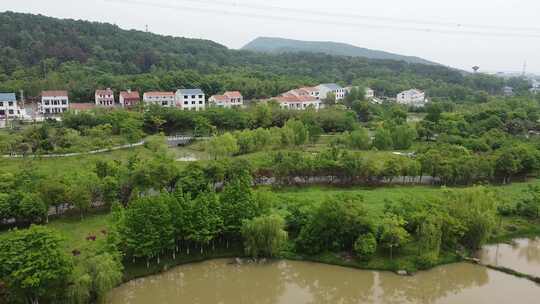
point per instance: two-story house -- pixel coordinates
(164, 99)
(298, 99)
(413, 98)
(129, 98)
(190, 99)
(229, 99)
(327, 88)
(53, 102)
(104, 98)
(8, 106)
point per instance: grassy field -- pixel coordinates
(74, 230)
(375, 197)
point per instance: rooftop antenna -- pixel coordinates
(475, 68)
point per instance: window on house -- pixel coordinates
(200, 101)
(1, 104)
(46, 102)
(200, 96)
(10, 104)
(186, 97)
(185, 102)
(10, 111)
(2, 112)
(193, 102)
(64, 102)
(192, 96)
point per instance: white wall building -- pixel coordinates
(413, 98)
(53, 102)
(9, 107)
(370, 93)
(295, 102)
(129, 98)
(326, 88)
(190, 99)
(164, 99)
(229, 99)
(104, 98)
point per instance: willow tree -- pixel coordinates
(264, 236)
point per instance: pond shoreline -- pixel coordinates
(236, 252)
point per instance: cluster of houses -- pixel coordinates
(52, 103)
(306, 97)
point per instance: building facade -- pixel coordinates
(298, 102)
(327, 88)
(190, 99)
(129, 98)
(104, 98)
(369, 94)
(164, 99)
(508, 91)
(229, 99)
(413, 98)
(8, 106)
(53, 102)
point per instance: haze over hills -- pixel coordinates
(44, 53)
(282, 45)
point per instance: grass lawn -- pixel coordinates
(74, 230)
(375, 197)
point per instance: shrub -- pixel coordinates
(365, 246)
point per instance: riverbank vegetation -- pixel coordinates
(161, 218)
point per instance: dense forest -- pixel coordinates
(38, 52)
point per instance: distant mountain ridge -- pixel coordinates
(282, 45)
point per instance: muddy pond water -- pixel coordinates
(294, 282)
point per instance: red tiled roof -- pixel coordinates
(130, 95)
(220, 98)
(82, 106)
(54, 93)
(309, 89)
(159, 94)
(295, 98)
(104, 92)
(232, 94)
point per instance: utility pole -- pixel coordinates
(524, 68)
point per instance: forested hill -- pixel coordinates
(281, 45)
(38, 52)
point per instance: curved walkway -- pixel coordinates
(127, 146)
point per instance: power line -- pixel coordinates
(319, 21)
(355, 15)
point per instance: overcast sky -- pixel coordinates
(497, 35)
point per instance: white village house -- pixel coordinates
(298, 99)
(164, 99)
(508, 91)
(326, 88)
(129, 98)
(368, 93)
(9, 107)
(53, 102)
(190, 99)
(104, 98)
(229, 99)
(413, 98)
